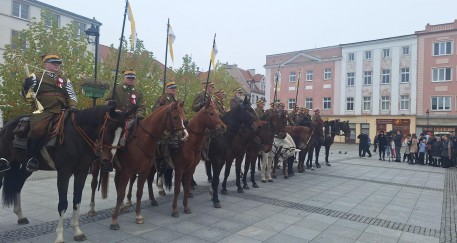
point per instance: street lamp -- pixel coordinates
(92, 35)
(428, 113)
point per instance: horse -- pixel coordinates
(138, 156)
(221, 146)
(277, 122)
(301, 136)
(88, 134)
(282, 149)
(331, 129)
(186, 159)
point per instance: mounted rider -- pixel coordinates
(126, 98)
(219, 101)
(282, 107)
(237, 99)
(318, 125)
(269, 111)
(259, 109)
(55, 93)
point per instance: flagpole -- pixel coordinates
(296, 94)
(209, 68)
(276, 84)
(166, 55)
(120, 48)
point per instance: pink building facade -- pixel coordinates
(318, 72)
(437, 78)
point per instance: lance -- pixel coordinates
(166, 55)
(209, 69)
(296, 94)
(120, 48)
(276, 84)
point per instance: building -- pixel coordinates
(252, 83)
(16, 14)
(436, 78)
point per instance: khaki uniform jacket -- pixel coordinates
(164, 99)
(234, 102)
(55, 94)
(260, 113)
(268, 112)
(127, 97)
(198, 100)
(220, 107)
(318, 124)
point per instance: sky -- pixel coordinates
(248, 30)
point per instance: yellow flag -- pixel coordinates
(214, 53)
(132, 26)
(171, 40)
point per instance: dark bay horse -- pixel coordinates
(138, 156)
(221, 146)
(186, 159)
(87, 134)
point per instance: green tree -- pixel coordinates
(27, 47)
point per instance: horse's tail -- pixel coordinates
(13, 181)
(104, 181)
(168, 177)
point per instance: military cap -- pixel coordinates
(260, 102)
(281, 104)
(220, 91)
(238, 90)
(209, 84)
(129, 73)
(317, 109)
(170, 85)
(51, 58)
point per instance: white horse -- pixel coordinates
(282, 149)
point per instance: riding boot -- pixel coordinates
(33, 147)
(4, 165)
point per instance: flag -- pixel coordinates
(171, 40)
(214, 53)
(132, 26)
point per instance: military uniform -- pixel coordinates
(200, 100)
(164, 99)
(220, 107)
(318, 124)
(259, 112)
(126, 97)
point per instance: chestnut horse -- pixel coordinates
(138, 156)
(87, 134)
(189, 153)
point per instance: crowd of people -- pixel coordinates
(427, 149)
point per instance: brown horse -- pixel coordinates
(189, 153)
(138, 155)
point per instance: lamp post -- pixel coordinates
(428, 113)
(94, 31)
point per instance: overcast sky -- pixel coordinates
(248, 30)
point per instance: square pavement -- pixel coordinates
(354, 200)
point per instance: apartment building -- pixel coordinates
(437, 78)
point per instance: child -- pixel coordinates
(422, 148)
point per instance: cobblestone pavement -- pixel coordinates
(354, 200)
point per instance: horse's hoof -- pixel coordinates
(255, 185)
(91, 213)
(175, 214)
(154, 203)
(274, 176)
(128, 204)
(80, 237)
(217, 204)
(139, 220)
(246, 187)
(224, 192)
(240, 190)
(23, 221)
(286, 177)
(328, 164)
(162, 193)
(264, 181)
(114, 227)
(318, 166)
(191, 195)
(210, 180)
(187, 211)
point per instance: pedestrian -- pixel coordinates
(446, 152)
(413, 149)
(431, 140)
(405, 148)
(397, 139)
(382, 144)
(436, 151)
(363, 145)
(422, 150)
(375, 143)
(55, 93)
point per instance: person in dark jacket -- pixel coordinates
(436, 151)
(397, 140)
(382, 145)
(363, 145)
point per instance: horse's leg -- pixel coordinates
(238, 162)
(228, 166)
(275, 165)
(269, 168)
(285, 168)
(93, 185)
(122, 180)
(208, 170)
(245, 175)
(259, 159)
(18, 210)
(152, 199)
(79, 181)
(139, 194)
(327, 152)
(217, 168)
(187, 177)
(263, 170)
(62, 187)
(178, 178)
(128, 203)
(318, 149)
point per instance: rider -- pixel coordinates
(200, 99)
(318, 124)
(166, 98)
(126, 97)
(238, 97)
(281, 107)
(219, 101)
(55, 93)
(270, 110)
(259, 109)
(299, 117)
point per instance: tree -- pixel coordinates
(27, 47)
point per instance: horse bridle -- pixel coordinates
(206, 113)
(166, 117)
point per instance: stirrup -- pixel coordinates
(32, 165)
(4, 165)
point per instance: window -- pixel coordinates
(292, 77)
(385, 53)
(15, 39)
(20, 10)
(54, 19)
(404, 75)
(327, 103)
(366, 103)
(367, 55)
(385, 103)
(309, 75)
(350, 79)
(404, 102)
(441, 103)
(351, 56)
(291, 104)
(442, 48)
(441, 74)
(327, 73)
(81, 28)
(367, 78)
(350, 103)
(385, 76)
(309, 103)
(405, 50)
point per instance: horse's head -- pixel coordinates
(278, 122)
(244, 115)
(344, 126)
(304, 135)
(209, 117)
(265, 132)
(175, 120)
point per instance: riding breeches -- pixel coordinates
(266, 166)
(39, 124)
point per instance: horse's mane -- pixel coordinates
(93, 115)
